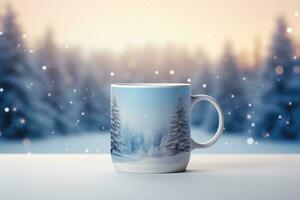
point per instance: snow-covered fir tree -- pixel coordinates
(117, 139)
(54, 80)
(230, 92)
(95, 103)
(178, 138)
(77, 92)
(23, 113)
(279, 114)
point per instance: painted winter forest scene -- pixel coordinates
(151, 122)
(58, 59)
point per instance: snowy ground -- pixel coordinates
(100, 143)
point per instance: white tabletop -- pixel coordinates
(92, 177)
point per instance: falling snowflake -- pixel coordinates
(250, 140)
(296, 14)
(217, 76)
(67, 46)
(279, 69)
(156, 72)
(279, 117)
(249, 116)
(204, 85)
(172, 72)
(249, 104)
(229, 113)
(189, 80)
(44, 67)
(82, 113)
(74, 90)
(31, 51)
(52, 132)
(290, 103)
(1, 33)
(15, 109)
(232, 96)
(266, 135)
(1, 89)
(287, 122)
(289, 30)
(226, 143)
(24, 36)
(22, 120)
(294, 57)
(252, 124)
(244, 78)
(86, 150)
(112, 73)
(71, 102)
(49, 94)
(6, 109)
(256, 142)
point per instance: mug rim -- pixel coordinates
(148, 85)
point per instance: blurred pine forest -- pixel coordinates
(51, 89)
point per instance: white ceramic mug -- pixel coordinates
(150, 126)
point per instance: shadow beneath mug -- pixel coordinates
(216, 166)
(224, 163)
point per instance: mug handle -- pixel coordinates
(194, 100)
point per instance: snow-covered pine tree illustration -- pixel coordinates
(178, 140)
(117, 139)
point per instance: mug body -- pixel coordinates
(150, 127)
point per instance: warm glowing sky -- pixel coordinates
(117, 23)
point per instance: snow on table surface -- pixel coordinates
(92, 177)
(100, 143)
